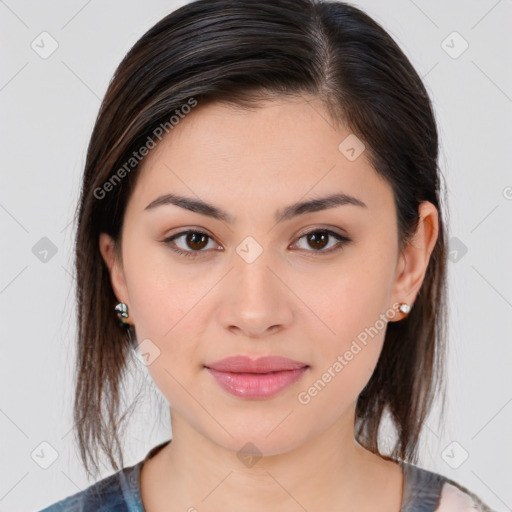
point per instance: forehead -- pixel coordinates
(284, 147)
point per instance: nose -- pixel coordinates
(256, 301)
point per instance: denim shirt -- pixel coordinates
(423, 491)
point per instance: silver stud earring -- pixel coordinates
(404, 308)
(122, 313)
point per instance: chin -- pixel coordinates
(257, 437)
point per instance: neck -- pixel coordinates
(194, 472)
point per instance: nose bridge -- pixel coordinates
(252, 269)
(257, 300)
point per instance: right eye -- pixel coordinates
(192, 242)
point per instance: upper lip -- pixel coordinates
(245, 364)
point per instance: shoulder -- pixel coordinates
(429, 491)
(455, 498)
(117, 492)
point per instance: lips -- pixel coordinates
(256, 378)
(244, 364)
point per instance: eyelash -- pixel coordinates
(343, 240)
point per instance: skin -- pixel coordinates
(291, 301)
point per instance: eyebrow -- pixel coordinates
(293, 210)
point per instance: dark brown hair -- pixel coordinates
(239, 53)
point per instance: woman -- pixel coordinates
(261, 219)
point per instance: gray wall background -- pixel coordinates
(49, 103)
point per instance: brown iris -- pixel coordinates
(318, 239)
(196, 241)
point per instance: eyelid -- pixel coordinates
(315, 227)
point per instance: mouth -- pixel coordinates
(254, 379)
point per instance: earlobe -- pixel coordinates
(415, 257)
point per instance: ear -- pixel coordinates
(115, 267)
(414, 258)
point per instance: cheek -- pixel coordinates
(165, 302)
(158, 292)
(343, 362)
(352, 310)
(347, 298)
(168, 312)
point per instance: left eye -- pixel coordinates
(317, 239)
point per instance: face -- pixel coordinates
(313, 285)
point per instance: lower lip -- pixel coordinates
(256, 385)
